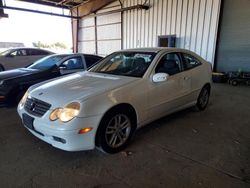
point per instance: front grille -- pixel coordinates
(36, 107)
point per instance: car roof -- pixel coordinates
(88, 54)
(154, 49)
(73, 54)
(27, 48)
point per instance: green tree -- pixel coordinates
(40, 44)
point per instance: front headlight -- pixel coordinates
(67, 113)
(1, 82)
(23, 100)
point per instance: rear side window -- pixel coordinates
(37, 52)
(91, 60)
(190, 62)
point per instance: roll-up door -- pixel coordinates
(233, 50)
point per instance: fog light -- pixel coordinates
(59, 139)
(85, 130)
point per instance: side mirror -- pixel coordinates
(160, 77)
(62, 67)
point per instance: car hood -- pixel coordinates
(78, 87)
(15, 73)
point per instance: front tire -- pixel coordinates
(203, 98)
(115, 131)
(248, 83)
(19, 96)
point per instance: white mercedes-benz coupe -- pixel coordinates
(102, 107)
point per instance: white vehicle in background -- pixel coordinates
(20, 57)
(105, 105)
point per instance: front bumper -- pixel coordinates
(60, 136)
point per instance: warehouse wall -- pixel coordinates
(101, 35)
(86, 36)
(194, 22)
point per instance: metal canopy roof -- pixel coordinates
(59, 3)
(85, 6)
(79, 8)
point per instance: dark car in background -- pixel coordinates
(21, 57)
(14, 83)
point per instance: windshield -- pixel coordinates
(132, 64)
(5, 52)
(46, 62)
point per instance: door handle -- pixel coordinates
(186, 78)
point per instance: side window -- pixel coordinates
(190, 62)
(32, 52)
(42, 52)
(90, 60)
(170, 64)
(22, 52)
(73, 63)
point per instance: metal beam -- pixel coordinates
(75, 31)
(38, 11)
(2, 15)
(46, 3)
(145, 7)
(90, 7)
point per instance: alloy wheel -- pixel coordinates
(204, 97)
(118, 130)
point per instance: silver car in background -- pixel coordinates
(20, 57)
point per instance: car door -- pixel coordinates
(164, 96)
(193, 73)
(72, 64)
(185, 83)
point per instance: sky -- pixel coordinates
(31, 27)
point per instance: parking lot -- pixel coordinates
(186, 149)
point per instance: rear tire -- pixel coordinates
(203, 98)
(234, 82)
(115, 131)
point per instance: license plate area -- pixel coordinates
(28, 121)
